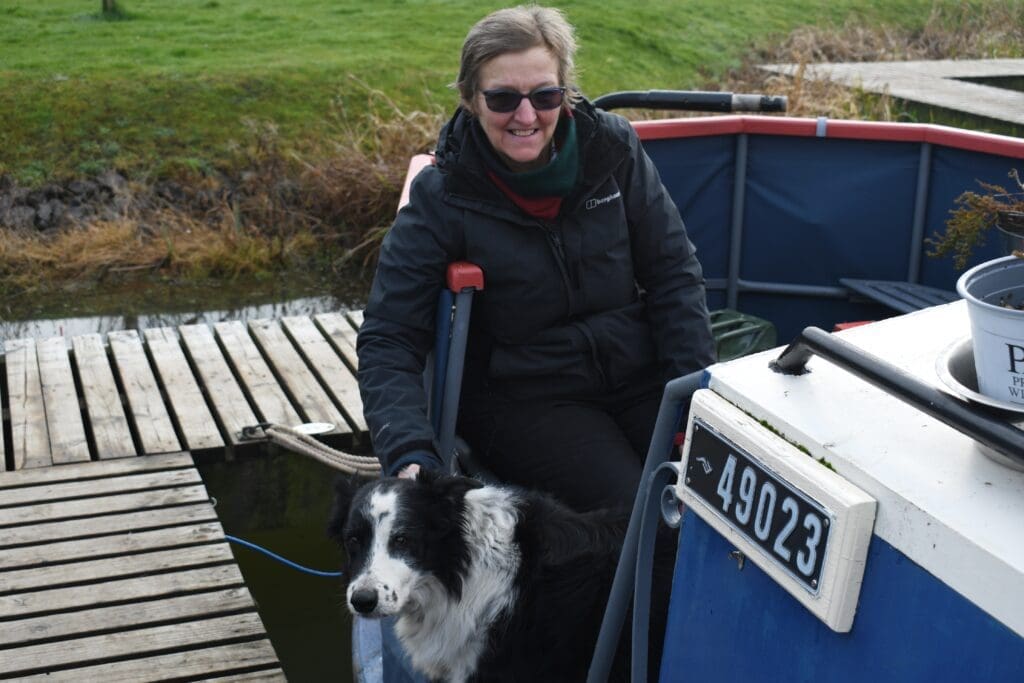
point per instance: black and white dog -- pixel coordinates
(488, 583)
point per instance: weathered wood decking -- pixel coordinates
(115, 567)
(119, 571)
(170, 389)
(942, 83)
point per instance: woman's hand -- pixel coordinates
(409, 471)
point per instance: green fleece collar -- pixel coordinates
(556, 179)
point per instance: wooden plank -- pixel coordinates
(131, 643)
(218, 661)
(226, 396)
(93, 527)
(107, 420)
(355, 318)
(145, 403)
(195, 420)
(257, 676)
(132, 541)
(108, 568)
(177, 608)
(341, 335)
(94, 470)
(313, 401)
(328, 366)
(63, 412)
(271, 401)
(139, 481)
(19, 605)
(30, 440)
(127, 502)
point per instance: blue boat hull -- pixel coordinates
(909, 626)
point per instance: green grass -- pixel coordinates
(164, 88)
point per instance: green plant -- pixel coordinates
(975, 214)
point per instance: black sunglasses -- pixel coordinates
(503, 101)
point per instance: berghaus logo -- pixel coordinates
(594, 203)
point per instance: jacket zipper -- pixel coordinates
(563, 265)
(555, 241)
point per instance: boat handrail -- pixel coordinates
(692, 100)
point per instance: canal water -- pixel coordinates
(282, 501)
(158, 303)
(278, 500)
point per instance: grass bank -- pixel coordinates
(164, 89)
(255, 136)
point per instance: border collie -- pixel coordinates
(488, 583)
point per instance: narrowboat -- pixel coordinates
(847, 508)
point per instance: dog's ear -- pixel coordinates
(428, 476)
(344, 491)
(447, 486)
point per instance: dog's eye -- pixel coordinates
(399, 540)
(352, 541)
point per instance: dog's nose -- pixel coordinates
(363, 600)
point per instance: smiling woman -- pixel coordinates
(518, 106)
(594, 296)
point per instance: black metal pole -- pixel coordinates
(692, 100)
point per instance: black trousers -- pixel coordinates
(587, 453)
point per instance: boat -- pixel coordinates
(847, 509)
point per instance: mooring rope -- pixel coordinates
(305, 444)
(283, 560)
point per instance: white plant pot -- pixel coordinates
(1011, 230)
(997, 332)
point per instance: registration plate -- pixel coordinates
(790, 528)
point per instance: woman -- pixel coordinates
(594, 297)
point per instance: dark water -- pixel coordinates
(106, 307)
(282, 501)
(1005, 82)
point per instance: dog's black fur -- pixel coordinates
(557, 590)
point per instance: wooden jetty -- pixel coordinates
(113, 566)
(165, 390)
(945, 83)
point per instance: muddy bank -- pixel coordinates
(108, 196)
(112, 196)
(276, 214)
(54, 206)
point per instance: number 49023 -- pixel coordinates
(760, 508)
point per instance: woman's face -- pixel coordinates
(522, 137)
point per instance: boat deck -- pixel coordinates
(116, 567)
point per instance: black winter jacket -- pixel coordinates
(608, 293)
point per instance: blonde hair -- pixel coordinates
(517, 29)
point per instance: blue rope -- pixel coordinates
(282, 560)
